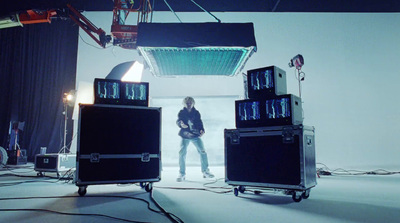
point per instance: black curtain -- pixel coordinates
(37, 65)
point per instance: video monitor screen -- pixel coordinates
(135, 93)
(266, 82)
(272, 111)
(261, 79)
(107, 91)
(278, 108)
(249, 110)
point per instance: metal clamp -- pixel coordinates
(145, 157)
(235, 137)
(309, 140)
(287, 135)
(95, 157)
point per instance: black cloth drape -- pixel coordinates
(37, 65)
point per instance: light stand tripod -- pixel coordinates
(16, 145)
(66, 99)
(297, 62)
(300, 77)
(15, 127)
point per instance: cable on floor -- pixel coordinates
(70, 214)
(163, 212)
(170, 216)
(326, 171)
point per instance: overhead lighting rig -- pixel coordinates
(177, 49)
(169, 49)
(121, 34)
(125, 35)
(188, 49)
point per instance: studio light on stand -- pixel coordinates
(15, 128)
(16, 155)
(68, 101)
(297, 62)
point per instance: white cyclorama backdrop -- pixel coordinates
(349, 92)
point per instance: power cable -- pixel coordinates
(67, 213)
(172, 10)
(326, 171)
(300, 76)
(163, 212)
(276, 5)
(67, 177)
(169, 215)
(225, 189)
(92, 44)
(12, 169)
(205, 10)
(196, 188)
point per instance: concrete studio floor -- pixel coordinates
(25, 197)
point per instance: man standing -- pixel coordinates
(191, 129)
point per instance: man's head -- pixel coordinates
(188, 102)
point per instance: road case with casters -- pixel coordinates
(278, 157)
(118, 144)
(54, 162)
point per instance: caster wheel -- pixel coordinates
(242, 189)
(296, 197)
(305, 194)
(82, 191)
(142, 185)
(40, 174)
(236, 191)
(149, 187)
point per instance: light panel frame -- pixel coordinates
(188, 49)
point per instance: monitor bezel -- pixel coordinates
(264, 120)
(262, 92)
(279, 121)
(98, 100)
(134, 102)
(248, 123)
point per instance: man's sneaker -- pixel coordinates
(208, 174)
(180, 178)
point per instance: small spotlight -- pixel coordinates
(297, 61)
(69, 98)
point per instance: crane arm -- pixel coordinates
(89, 27)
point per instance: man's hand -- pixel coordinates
(201, 133)
(183, 125)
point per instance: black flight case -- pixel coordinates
(118, 144)
(281, 158)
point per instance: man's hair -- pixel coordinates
(188, 99)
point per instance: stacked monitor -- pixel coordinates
(268, 103)
(270, 146)
(273, 111)
(116, 92)
(267, 81)
(135, 93)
